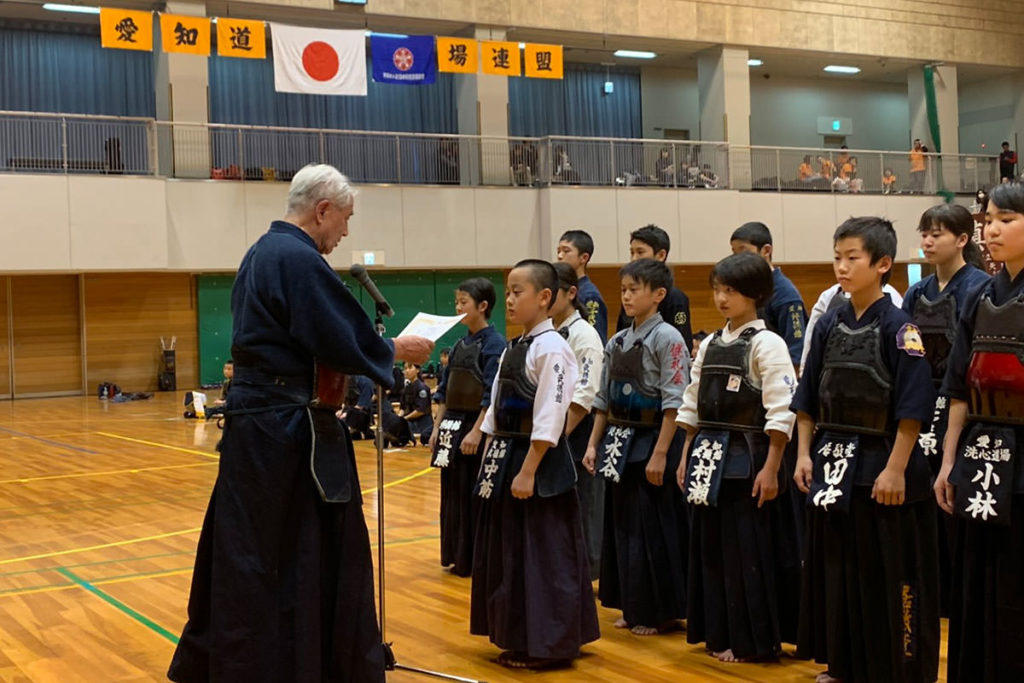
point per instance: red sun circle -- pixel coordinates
(320, 61)
(402, 59)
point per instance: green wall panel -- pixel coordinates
(408, 292)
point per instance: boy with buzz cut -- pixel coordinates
(633, 444)
(576, 247)
(870, 601)
(652, 242)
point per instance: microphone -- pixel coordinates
(358, 271)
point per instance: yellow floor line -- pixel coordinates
(134, 470)
(130, 541)
(160, 445)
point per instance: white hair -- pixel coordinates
(316, 182)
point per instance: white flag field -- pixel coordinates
(318, 61)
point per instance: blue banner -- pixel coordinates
(403, 61)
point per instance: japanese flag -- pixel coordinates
(319, 61)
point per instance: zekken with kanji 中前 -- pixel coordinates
(531, 590)
(635, 441)
(982, 480)
(744, 563)
(935, 304)
(457, 443)
(869, 590)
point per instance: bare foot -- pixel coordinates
(826, 677)
(621, 623)
(640, 630)
(727, 656)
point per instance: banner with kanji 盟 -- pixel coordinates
(185, 34)
(500, 58)
(241, 38)
(543, 61)
(457, 55)
(126, 29)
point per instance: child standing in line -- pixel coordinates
(736, 415)
(634, 442)
(870, 604)
(456, 443)
(531, 590)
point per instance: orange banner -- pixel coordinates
(457, 55)
(241, 38)
(543, 61)
(126, 29)
(500, 58)
(185, 34)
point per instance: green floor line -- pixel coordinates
(114, 602)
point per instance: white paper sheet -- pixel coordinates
(431, 326)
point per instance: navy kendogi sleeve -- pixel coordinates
(806, 397)
(912, 389)
(332, 325)
(493, 347)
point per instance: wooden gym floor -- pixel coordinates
(100, 508)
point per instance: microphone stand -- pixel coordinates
(390, 664)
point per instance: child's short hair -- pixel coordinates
(580, 239)
(747, 273)
(542, 276)
(446, 352)
(647, 271)
(480, 290)
(567, 279)
(1008, 196)
(229, 361)
(654, 237)
(877, 236)
(754, 232)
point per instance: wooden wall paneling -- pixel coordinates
(125, 316)
(47, 342)
(5, 337)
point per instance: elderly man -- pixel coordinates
(283, 583)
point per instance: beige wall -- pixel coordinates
(89, 224)
(955, 30)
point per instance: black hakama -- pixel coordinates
(531, 590)
(986, 625)
(591, 491)
(643, 559)
(869, 603)
(459, 507)
(283, 582)
(744, 574)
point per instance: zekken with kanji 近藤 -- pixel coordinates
(456, 443)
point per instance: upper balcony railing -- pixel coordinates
(68, 143)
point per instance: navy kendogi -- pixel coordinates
(360, 407)
(936, 314)
(283, 581)
(643, 558)
(465, 390)
(986, 369)
(869, 603)
(589, 295)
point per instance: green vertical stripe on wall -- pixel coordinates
(408, 292)
(214, 302)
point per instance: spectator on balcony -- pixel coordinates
(564, 172)
(449, 161)
(856, 182)
(918, 167)
(826, 167)
(708, 178)
(522, 170)
(843, 157)
(1007, 163)
(665, 168)
(806, 173)
(888, 182)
